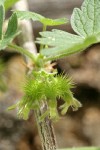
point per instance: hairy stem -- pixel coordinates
(46, 130)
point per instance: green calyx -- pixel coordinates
(42, 86)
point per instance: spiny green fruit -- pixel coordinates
(42, 86)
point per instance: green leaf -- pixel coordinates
(1, 20)
(85, 22)
(63, 43)
(9, 3)
(37, 17)
(12, 26)
(11, 32)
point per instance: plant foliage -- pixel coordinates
(85, 22)
(37, 17)
(11, 31)
(43, 86)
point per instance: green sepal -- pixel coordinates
(12, 107)
(24, 112)
(53, 109)
(44, 115)
(69, 101)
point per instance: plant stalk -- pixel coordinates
(22, 51)
(44, 29)
(45, 128)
